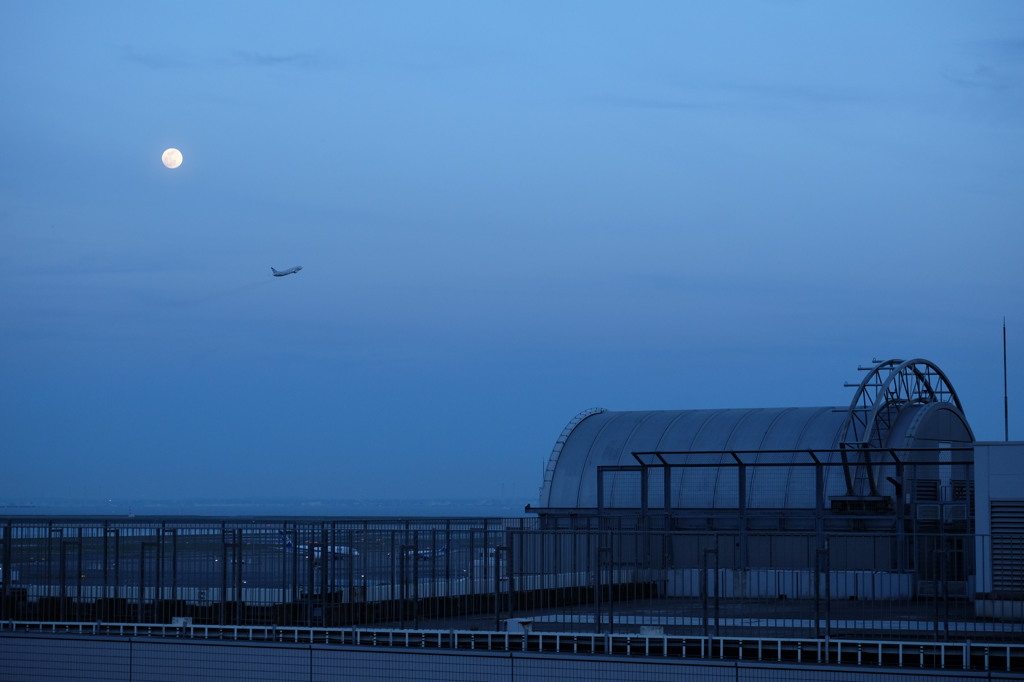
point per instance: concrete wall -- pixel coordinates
(771, 584)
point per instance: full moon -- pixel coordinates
(171, 158)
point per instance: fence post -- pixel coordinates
(5, 573)
(707, 594)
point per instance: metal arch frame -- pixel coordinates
(871, 414)
(909, 381)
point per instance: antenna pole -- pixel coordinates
(1006, 399)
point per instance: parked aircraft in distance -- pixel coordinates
(289, 271)
(426, 553)
(333, 551)
(317, 550)
(431, 553)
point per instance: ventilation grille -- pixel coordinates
(963, 491)
(1008, 546)
(926, 490)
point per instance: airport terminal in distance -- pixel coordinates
(876, 538)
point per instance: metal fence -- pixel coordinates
(504, 574)
(124, 651)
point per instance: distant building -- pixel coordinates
(883, 489)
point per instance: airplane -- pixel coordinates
(289, 271)
(333, 551)
(431, 553)
(423, 554)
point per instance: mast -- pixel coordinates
(1006, 399)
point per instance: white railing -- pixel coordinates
(974, 656)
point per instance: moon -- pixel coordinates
(171, 158)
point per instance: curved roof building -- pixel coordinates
(903, 416)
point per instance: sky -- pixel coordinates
(506, 212)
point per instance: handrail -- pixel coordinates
(934, 655)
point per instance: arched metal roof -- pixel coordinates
(902, 404)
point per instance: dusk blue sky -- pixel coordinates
(507, 212)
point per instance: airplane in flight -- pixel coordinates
(289, 271)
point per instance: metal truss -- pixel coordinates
(887, 388)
